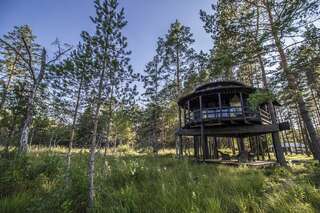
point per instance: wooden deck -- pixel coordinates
(255, 164)
(230, 131)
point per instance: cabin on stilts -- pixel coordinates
(219, 112)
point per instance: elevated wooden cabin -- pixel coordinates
(221, 109)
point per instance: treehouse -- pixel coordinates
(221, 110)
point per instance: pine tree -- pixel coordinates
(223, 27)
(111, 65)
(153, 80)
(199, 72)
(177, 59)
(21, 41)
(69, 81)
(282, 25)
(79, 77)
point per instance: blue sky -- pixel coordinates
(65, 19)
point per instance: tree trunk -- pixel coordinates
(28, 119)
(108, 128)
(27, 122)
(91, 191)
(155, 135)
(314, 140)
(275, 135)
(31, 137)
(74, 122)
(294, 137)
(293, 86)
(303, 135)
(179, 146)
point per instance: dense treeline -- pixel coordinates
(86, 95)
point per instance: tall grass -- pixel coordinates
(146, 183)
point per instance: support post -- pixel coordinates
(267, 148)
(200, 103)
(215, 148)
(184, 117)
(196, 147)
(257, 147)
(204, 141)
(242, 106)
(243, 155)
(180, 136)
(220, 106)
(233, 147)
(261, 148)
(241, 144)
(189, 112)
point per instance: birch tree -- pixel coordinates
(34, 60)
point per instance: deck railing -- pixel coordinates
(224, 113)
(265, 117)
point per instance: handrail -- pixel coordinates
(226, 112)
(264, 113)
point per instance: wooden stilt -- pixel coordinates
(261, 147)
(250, 144)
(257, 147)
(196, 147)
(215, 148)
(267, 146)
(233, 147)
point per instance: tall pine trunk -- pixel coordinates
(179, 145)
(75, 115)
(275, 135)
(109, 120)
(293, 86)
(91, 191)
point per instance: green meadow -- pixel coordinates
(133, 182)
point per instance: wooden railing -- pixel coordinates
(265, 117)
(223, 113)
(226, 113)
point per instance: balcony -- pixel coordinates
(217, 115)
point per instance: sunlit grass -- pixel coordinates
(300, 157)
(133, 181)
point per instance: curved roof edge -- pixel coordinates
(216, 84)
(212, 86)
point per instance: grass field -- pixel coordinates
(137, 182)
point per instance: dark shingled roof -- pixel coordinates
(219, 84)
(213, 87)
